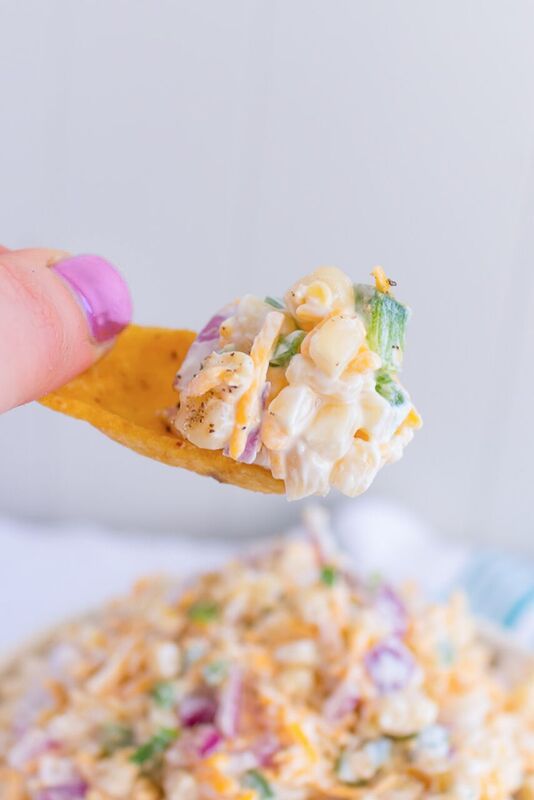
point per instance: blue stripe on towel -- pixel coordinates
(499, 587)
(523, 605)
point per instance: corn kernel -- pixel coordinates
(319, 290)
(331, 432)
(333, 345)
(326, 290)
(289, 412)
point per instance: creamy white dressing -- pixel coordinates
(325, 424)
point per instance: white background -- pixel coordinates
(209, 148)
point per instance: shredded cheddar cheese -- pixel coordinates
(261, 352)
(288, 389)
(292, 677)
(381, 280)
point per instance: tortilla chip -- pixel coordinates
(125, 396)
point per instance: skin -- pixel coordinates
(44, 337)
(45, 342)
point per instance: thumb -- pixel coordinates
(58, 314)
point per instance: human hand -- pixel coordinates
(58, 314)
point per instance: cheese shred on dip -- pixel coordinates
(306, 386)
(283, 677)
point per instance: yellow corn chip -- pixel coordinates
(125, 395)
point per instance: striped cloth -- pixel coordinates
(499, 585)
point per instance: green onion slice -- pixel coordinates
(254, 779)
(163, 694)
(155, 746)
(203, 611)
(286, 348)
(275, 303)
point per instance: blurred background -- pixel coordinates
(213, 148)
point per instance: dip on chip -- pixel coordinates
(296, 395)
(306, 386)
(286, 676)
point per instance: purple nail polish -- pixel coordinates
(101, 291)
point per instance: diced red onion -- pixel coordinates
(248, 456)
(392, 609)
(211, 329)
(205, 343)
(197, 709)
(265, 749)
(67, 791)
(252, 446)
(230, 700)
(194, 743)
(343, 701)
(390, 665)
(33, 744)
(208, 740)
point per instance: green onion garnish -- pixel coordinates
(286, 348)
(385, 320)
(203, 611)
(272, 301)
(163, 694)
(116, 736)
(388, 388)
(155, 746)
(254, 779)
(329, 575)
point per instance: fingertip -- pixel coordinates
(54, 324)
(101, 291)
